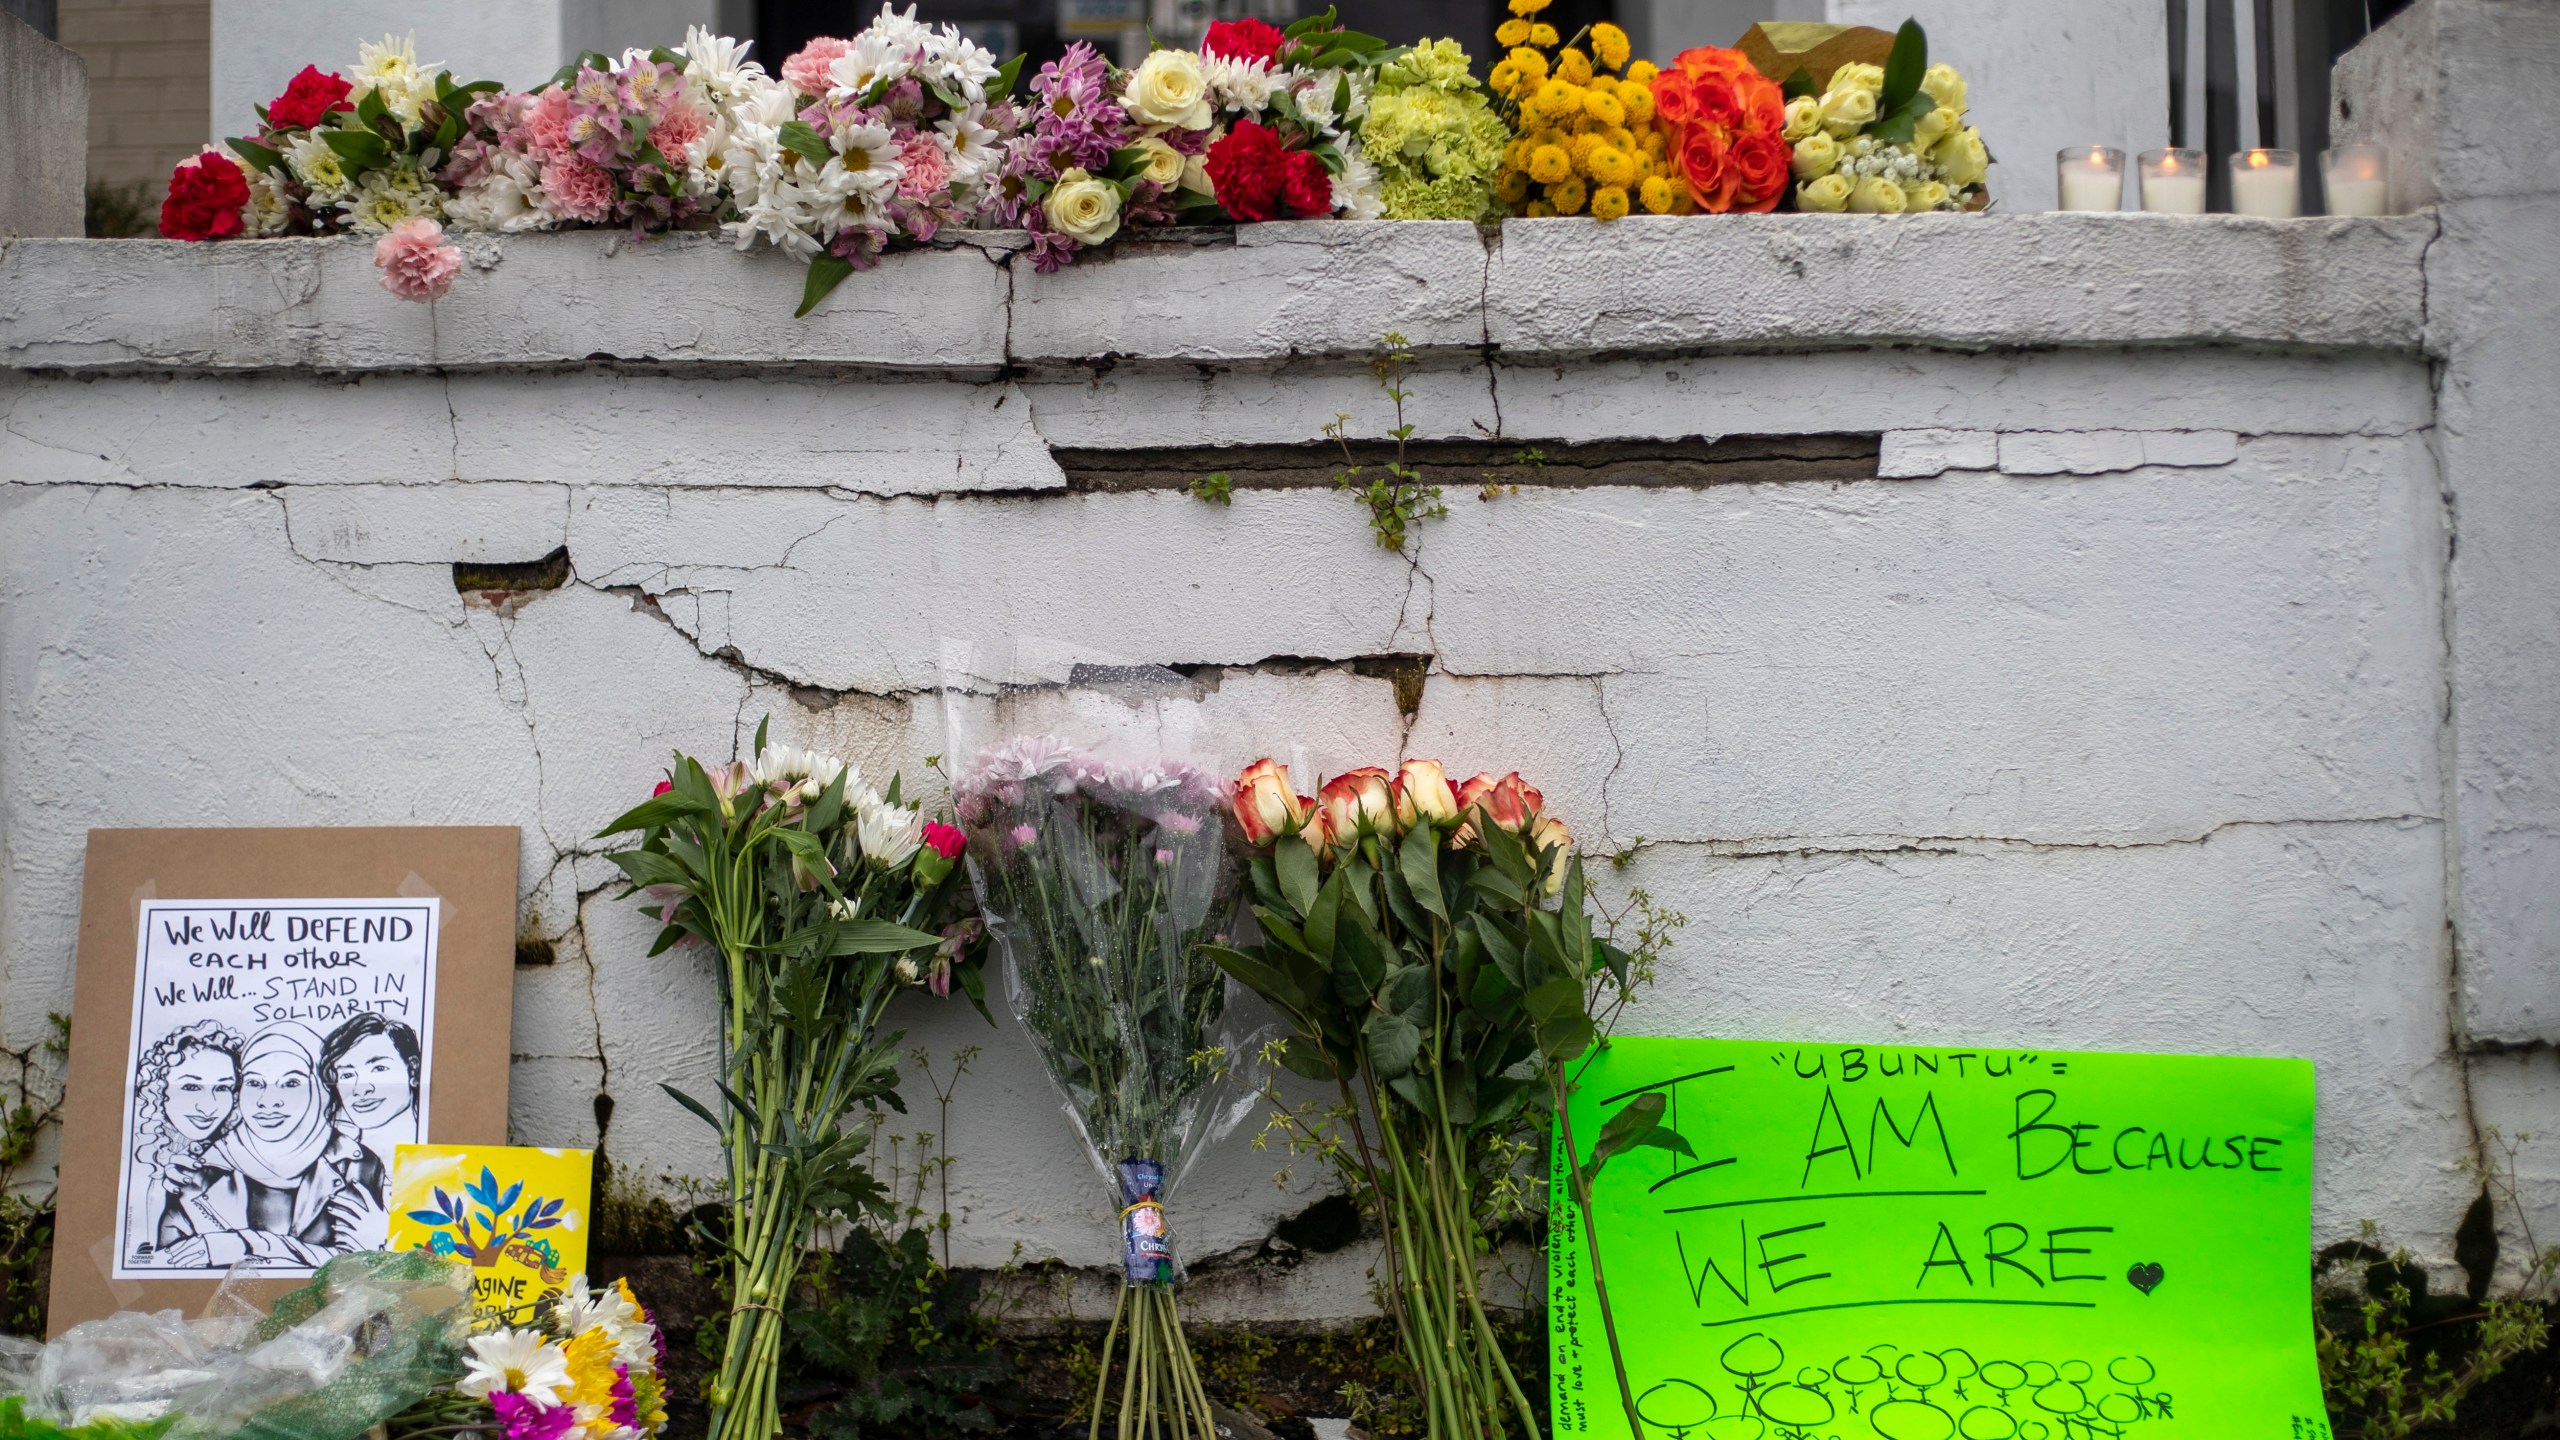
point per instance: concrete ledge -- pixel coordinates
(1273, 292)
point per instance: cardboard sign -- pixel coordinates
(516, 1214)
(263, 1017)
(1915, 1243)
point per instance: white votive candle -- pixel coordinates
(2267, 184)
(2173, 182)
(2090, 178)
(2356, 179)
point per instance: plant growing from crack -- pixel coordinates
(1219, 489)
(1398, 499)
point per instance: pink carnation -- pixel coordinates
(678, 128)
(545, 128)
(579, 189)
(927, 169)
(415, 262)
(806, 70)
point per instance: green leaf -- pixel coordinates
(1904, 66)
(1418, 860)
(661, 55)
(1503, 944)
(1393, 1043)
(650, 867)
(1262, 975)
(802, 139)
(1408, 993)
(1567, 1036)
(1359, 961)
(361, 149)
(1639, 1124)
(1555, 999)
(1493, 995)
(1300, 1056)
(654, 813)
(1799, 85)
(1006, 75)
(1898, 126)
(256, 154)
(1280, 929)
(370, 111)
(826, 272)
(1416, 1094)
(693, 1105)
(875, 937)
(1296, 865)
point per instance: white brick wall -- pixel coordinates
(2114, 721)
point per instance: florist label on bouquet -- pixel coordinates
(275, 1064)
(1917, 1243)
(516, 1214)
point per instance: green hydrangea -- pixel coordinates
(1433, 137)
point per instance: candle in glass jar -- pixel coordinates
(2267, 184)
(2091, 178)
(2357, 179)
(2173, 182)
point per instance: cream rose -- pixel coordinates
(1945, 86)
(1817, 155)
(1933, 127)
(1082, 208)
(1804, 116)
(1876, 195)
(1168, 89)
(1961, 158)
(1928, 195)
(1829, 194)
(1164, 163)
(1846, 112)
(1855, 76)
(1195, 175)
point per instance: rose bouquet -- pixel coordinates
(1433, 137)
(822, 897)
(886, 138)
(1431, 950)
(1726, 121)
(1101, 882)
(590, 1368)
(1588, 138)
(1258, 124)
(333, 153)
(1886, 139)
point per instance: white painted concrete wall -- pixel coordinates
(2110, 714)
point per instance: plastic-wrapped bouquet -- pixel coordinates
(1100, 882)
(590, 1368)
(1257, 124)
(822, 897)
(1886, 139)
(861, 144)
(1433, 137)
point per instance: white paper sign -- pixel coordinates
(280, 1053)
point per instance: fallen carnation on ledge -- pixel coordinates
(415, 262)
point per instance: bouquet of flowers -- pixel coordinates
(1886, 139)
(333, 153)
(1101, 882)
(1588, 137)
(1433, 137)
(1430, 948)
(822, 897)
(1727, 123)
(1257, 124)
(591, 1368)
(883, 139)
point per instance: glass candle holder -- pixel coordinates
(2356, 179)
(2090, 178)
(2173, 182)
(2267, 184)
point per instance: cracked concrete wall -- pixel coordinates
(2110, 713)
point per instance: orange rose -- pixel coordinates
(1357, 802)
(1509, 802)
(1725, 121)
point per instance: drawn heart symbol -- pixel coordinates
(2146, 1277)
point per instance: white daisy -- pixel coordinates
(517, 1362)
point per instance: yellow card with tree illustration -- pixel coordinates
(516, 1214)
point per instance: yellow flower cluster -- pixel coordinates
(1583, 118)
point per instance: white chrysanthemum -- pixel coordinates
(1355, 191)
(889, 834)
(269, 209)
(516, 1362)
(956, 62)
(718, 66)
(1239, 84)
(975, 148)
(391, 70)
(780, 216)
(873, 58)
(506, 196)
(791, 765)
(868, 151)
(318, 167)
(385, 197)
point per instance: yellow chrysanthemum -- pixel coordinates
(1643, 71)
(1528, 7)
(1515, 156)
(1609, 202)
(1514, 31)
(1504, 79)
(1574, 66)
(1544, 34)
(1580, 148)
(1611, 45)
(1549, 164)
(1655, 143)
(1547, 137)
(1567, 196)
(591, 1366)
(1539, 210)
(1639, 102)
(1618, 137)
(1610, 167)
(1512, 186)
(1659, 194)
(1603, 106)
(1531, 64)
(1557, 99)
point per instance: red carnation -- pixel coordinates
(1247, 169)
(1310, 186)
(307, 100)
(1243, 40)
(945, 840)
(206, 195)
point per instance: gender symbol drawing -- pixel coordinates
(280, 1052)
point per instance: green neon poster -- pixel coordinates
(1914, 1243)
